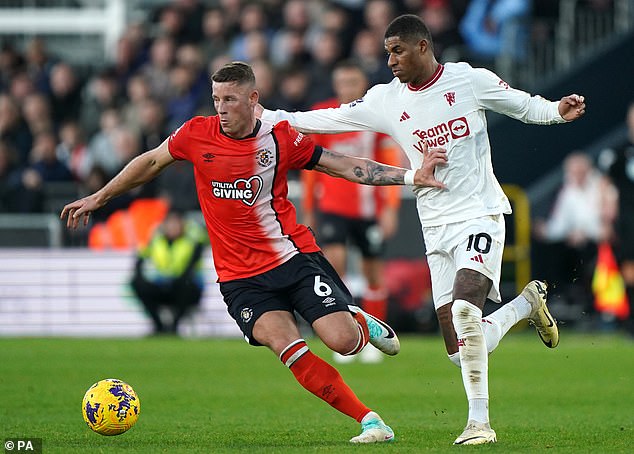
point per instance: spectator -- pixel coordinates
(9, 179)
(620, 168)
(190, 56)
(581, 218)
(36, 110)
(293, 89)
(343, 213)
(45, 162)
(44, 168)
(168, 272)
(65, 94)
(152, 128)
(138, 91)
(183, 101)
(72, 149)
(21, 86)
(290, 49)
(256, 46)
(492, 28)
(215, 40)
(441, 21)
(288, 40)
(39, 64)
(377, 15)
(252, 19)
(367, 51)
(11, 63)
(326, 53)
(158, 68)
(101, 93)
(192, 12)
(170, 23)
(265, 77)
(126, 60)
(14, 130)
(100, 146)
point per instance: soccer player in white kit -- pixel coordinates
(463, 225)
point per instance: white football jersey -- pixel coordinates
(447, 111)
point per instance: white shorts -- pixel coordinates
(476, 244)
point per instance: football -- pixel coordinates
(110, 407)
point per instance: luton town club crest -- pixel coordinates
(264, 157)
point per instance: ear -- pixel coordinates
(423, 45)
(254, 97)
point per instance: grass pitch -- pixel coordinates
(215, 396)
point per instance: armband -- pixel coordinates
(408, 178)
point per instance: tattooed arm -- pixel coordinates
(366, 171)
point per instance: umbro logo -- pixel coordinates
(477, 258)
(208, 157)
(404, 116)
(329, 301)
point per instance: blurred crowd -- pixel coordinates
(70, 125)
(63, 122)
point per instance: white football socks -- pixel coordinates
(497, 324)
(467, 320)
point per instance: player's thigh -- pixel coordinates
(318, 290)
(367, 236)
(479, 250)
(338, 330)
(443, 272)
(337, 255)
(276, 329)
(248, 299)
(332, 229)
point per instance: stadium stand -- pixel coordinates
(120, 74)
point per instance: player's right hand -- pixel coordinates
(425, 175)
(79, 210)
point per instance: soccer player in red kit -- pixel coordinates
(268, 265)
(344, 214)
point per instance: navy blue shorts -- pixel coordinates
(306, 283)
(362, 233)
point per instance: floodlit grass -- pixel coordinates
(214, 396)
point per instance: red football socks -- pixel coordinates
(374, 302)
(321, 379)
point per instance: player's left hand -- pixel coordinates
(572, 107)
(78, 210)
(425, 175)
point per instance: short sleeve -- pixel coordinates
(301, 150)
(178, 141)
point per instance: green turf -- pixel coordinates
(212, 396)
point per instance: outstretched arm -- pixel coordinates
(366, 171)
(140, 170)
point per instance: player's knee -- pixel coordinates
(464, 310)
(466, 318)
(344, 343)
